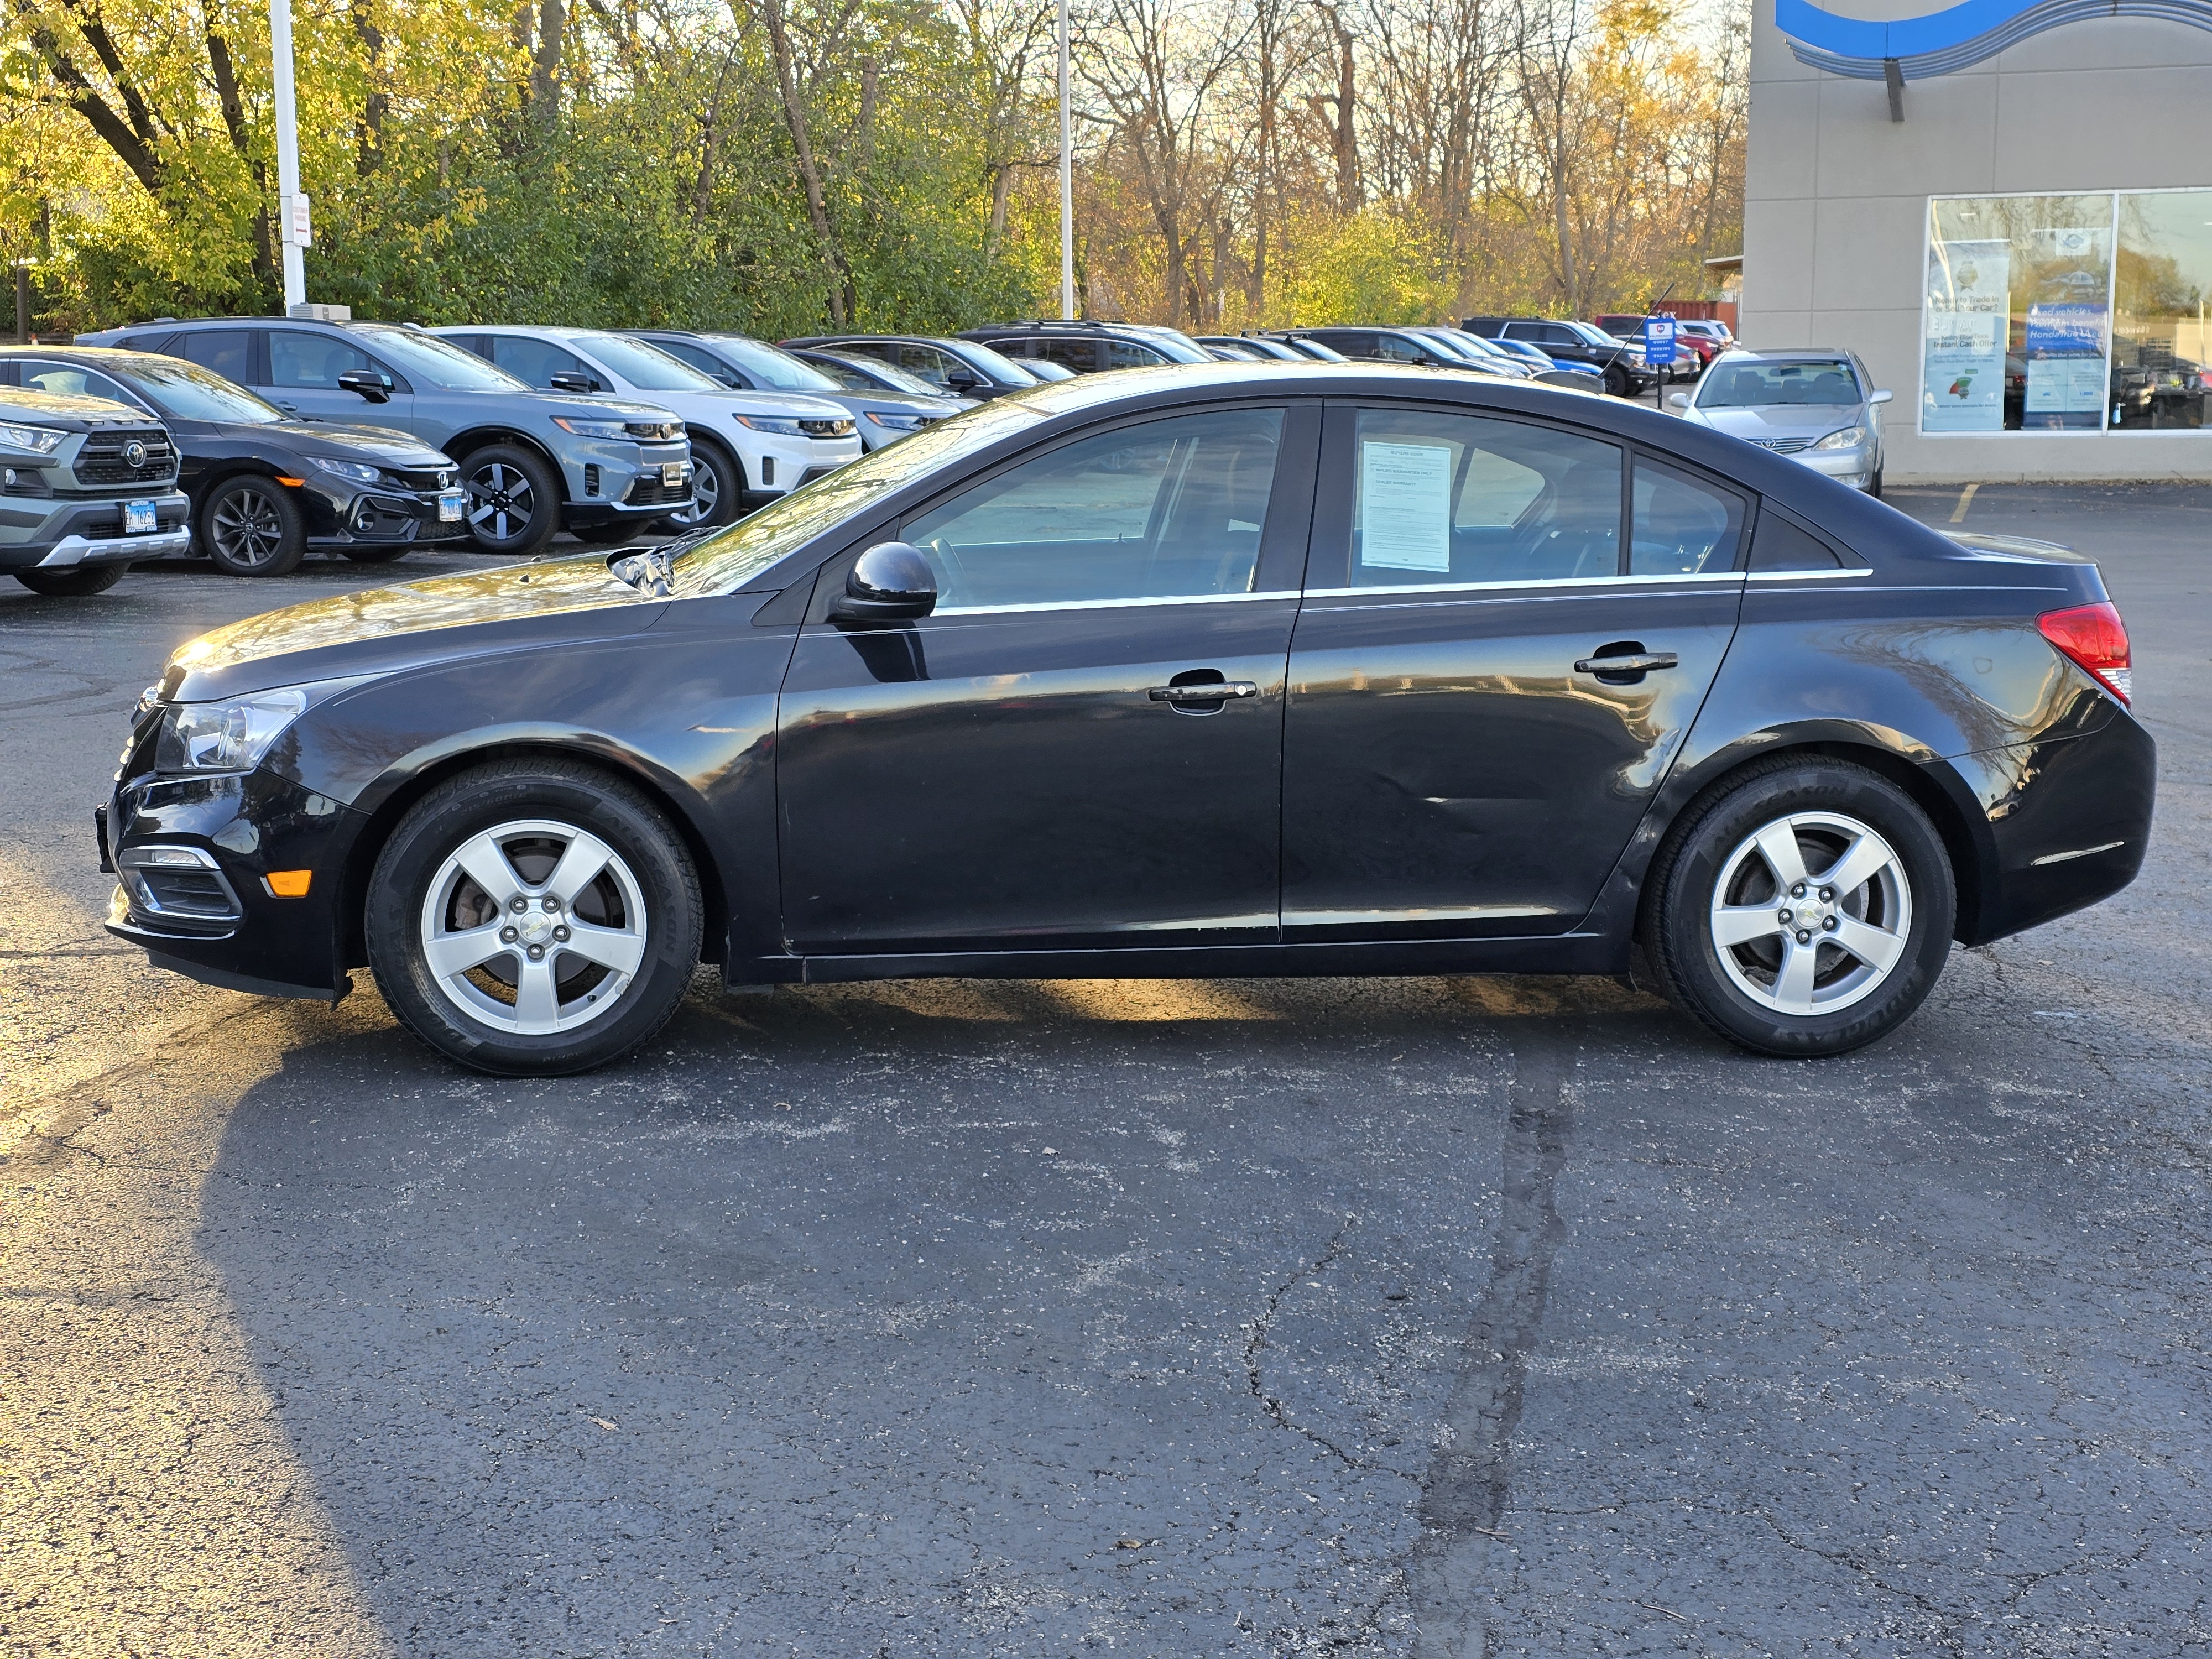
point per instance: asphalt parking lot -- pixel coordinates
(1467, 1317)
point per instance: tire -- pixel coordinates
(1616, 381)
(251, 526)
(376, 552)
(81, 582)
(1874, 484)
(513, 821)
(718, 489)
(513, 507)
(1716, 880)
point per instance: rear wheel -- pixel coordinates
(532, 918)
(1804, 911)
(81, 582)
(514, 501)
(251, 526)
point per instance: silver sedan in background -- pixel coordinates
(1815, 406)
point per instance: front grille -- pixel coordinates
(1783, 446)
(106, 457)
(815, 429)
(425, 478)
(649, 491)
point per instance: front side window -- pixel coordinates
(926, 363)
(705, 363)
(312, 361)
(434, 362)
(535, 362)
(1167, 509)
(1450, 499)
(769, 366)
(1397, 349)
(1682, 526)
(1126, 354)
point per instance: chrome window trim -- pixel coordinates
(1547, 583)
(1109, 605)
(1806, 576)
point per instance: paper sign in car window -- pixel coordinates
(1405, 506)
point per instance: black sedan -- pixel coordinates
(1232, 670)
(265, 486)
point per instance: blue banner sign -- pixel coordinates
(1659, 340)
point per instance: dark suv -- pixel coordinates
(1087, 347)
(533, 462)
(951, 367)
(1620, 362)
(87, 487)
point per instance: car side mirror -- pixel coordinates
(1882, 396)
(1678, 400)
(567, 379)
(366, 383)
(891, 582)
(963, 379)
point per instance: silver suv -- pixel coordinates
(533, 462)
(87, 487)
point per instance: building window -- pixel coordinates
(2067, 313)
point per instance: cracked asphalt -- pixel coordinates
(1423, 1317)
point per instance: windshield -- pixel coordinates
(1043, 368)
(871, 374)
(770, 365)
(1178, 345)
(426, 357)
(186, 391)
(1320, 352)
(1004, 370)
(1762, 386)
(1591, 334)
(647, 368)
(737, 555)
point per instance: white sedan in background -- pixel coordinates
(747, 447)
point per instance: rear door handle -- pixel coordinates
(1642, 663)
(1214, 691)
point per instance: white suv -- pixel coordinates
(747, 448)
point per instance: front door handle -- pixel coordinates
(1642, 663)
(1210, 691)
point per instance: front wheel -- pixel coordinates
(531, 918)
(79, 582)
(514, 501)
(251, 526)
(1804, 911)
(718, 489)
(1616, 381)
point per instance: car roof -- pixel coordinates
(1792, 353)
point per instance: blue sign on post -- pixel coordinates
(1659, 340)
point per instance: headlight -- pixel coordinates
(775, 423)
(352, 470)
(232, 736)
(1850, 438)
(897, 422)
(593, 429)
(39, 440)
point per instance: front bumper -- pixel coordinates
(213, 915)
(56, 534)
(615, 482)
(379, 514)
(1855, 466)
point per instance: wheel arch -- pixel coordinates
(615, 764)
(462, 445)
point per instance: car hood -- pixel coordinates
(1782, 420)
(377, 630)
(364, 443)
(593, 408)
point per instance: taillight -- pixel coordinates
(2094, 636)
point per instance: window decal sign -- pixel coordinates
(1405, 506)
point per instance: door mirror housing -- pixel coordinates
(567, 379)
(963, 379)
(366, 383)
(891, 582)
(1881, 397)
(1678, 400)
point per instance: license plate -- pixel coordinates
(138, 519)
(450, 503)
(672, 474)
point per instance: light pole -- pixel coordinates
(22, 267)
(1067, 183)
(292, 227)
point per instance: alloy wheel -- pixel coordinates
(501, 501)
(533, 927)
(1811, 914)
(247, 528)
(705, 496)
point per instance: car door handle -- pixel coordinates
(1642, 663)
(1213, 691)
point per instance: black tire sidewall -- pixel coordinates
(476, 801)
(375, 552)
(289, 553)
(81, 582)
(545, 507)
(1691, 966)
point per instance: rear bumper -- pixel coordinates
(2067, 821)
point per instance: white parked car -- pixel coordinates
(747, 447)
(1817, 407)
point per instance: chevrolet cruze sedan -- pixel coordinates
(1820, 407)
(1231, 669)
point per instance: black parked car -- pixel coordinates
(264, 487)
(1243, 670)
(1620, 361)
(1404, 345)
(949, 368)
(1087, 348)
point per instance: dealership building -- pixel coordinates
(2006, 209)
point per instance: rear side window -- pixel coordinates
(227, 351)
(1081, 355)
(1780, 544)
(1682, 526)
(1167, 509)
(1451, 499)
